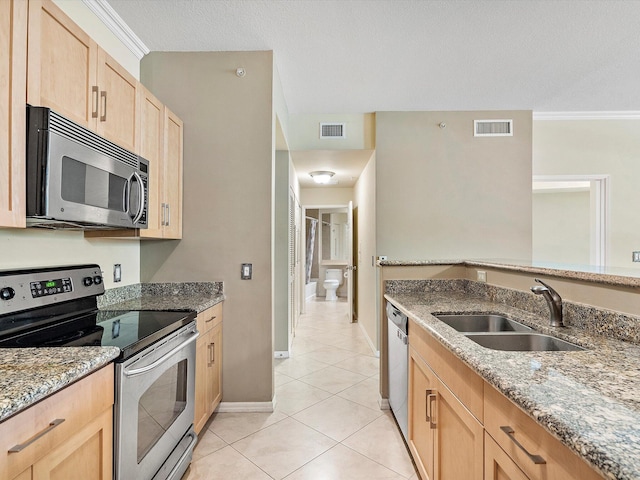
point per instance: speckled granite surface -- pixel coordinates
(196, 296)
(589, 400)
(28, 375)
(604, 275)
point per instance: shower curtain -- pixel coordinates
(311, 241)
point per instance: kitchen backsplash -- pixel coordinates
(591, 319)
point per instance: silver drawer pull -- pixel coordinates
(22, 446)
(537, 459)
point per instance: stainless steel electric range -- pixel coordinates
(155, 371)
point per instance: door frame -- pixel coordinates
(599, 192)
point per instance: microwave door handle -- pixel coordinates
(127, 195)
(141, 196)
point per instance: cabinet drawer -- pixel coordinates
(465, 384)
(78, 404)
(560, 462)
(209, 318)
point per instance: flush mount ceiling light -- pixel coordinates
(322, 176)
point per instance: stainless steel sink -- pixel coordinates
(525, 342)
(482, 323)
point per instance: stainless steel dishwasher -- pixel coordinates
(398, 353)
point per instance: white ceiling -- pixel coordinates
(356, 56)
(361, 56)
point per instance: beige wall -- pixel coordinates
(573, 147)
(228, 178)
(441, 193)
(305, 132)
(364, 202)
(562, 227)
(34, 247)
(326, 196)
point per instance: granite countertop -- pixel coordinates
(589, 400)
(197, 296)
(28, 375)
(604, 275)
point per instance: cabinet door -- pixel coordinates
(26, 475)
(215, 367)
(172, 179)
(497, 464)
(118, 106)
(13, 70)
(202, 391)
(459, 439)
(87, 455)
(61, 64)
(422, 388)
(150, 142)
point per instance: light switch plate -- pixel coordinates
(246, 271)
(482, 276)
(635, 257)
(117, 272)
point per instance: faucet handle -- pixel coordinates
(546, 285)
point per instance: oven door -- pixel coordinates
(154, 410)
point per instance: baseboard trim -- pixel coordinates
(384, 403)
(281, 354)
(366, 337)
(246, 407)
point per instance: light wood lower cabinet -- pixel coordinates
(497, 464)
(462, 427)
(208, 365)
(445, 438)
(39, 446)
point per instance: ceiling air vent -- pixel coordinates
(493, 128)
(332, 130)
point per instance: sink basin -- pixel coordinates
(483, 323)
(522, 342)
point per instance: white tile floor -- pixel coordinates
(327, 424)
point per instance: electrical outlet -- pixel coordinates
(482, 276)
(117, 272)
(635, 257)
(382, 258)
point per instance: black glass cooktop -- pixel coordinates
(130, 331)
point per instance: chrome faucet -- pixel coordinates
(553, 300)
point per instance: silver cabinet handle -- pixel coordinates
(162, 222)
(168, 214)
(151, 366)
(537, 459)
(431, 398)
(103, 97)
(94, 94)
(22, 446)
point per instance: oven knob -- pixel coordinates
(7, 293)
(97, 279)
(87, 281)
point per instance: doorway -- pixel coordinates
(570, 219)
(328, 254)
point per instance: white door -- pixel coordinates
(350, 266)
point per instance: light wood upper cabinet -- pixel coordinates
(70, 73)
(13, 71)
(208, 365)
(151, 143)
(172, 179)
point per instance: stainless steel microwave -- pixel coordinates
(77, 179)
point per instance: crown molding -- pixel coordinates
(117, 26)
(630, 115)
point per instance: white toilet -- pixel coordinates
(332, 280)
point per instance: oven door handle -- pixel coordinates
(151, 366)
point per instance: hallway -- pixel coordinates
(326, 425)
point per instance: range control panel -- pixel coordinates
(25, 289)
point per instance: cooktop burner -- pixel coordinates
(70, 317)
